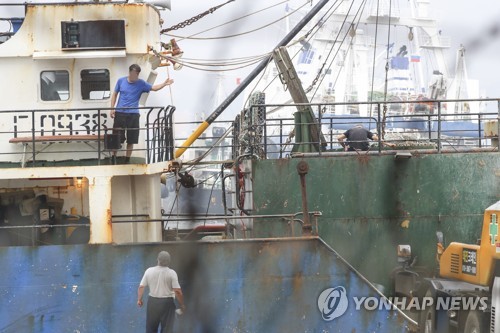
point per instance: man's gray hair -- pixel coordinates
(163, 258)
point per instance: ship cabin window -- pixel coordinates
(95, 84)
(54, 85)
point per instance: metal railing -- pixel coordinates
(28, 134)
(230, 223)
(160, 135)
(413, 125)
(402, 123)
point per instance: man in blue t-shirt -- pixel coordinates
(126, 115)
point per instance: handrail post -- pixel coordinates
(498, 124)
(148, 153)
(264, 130)
(33, 135)
(331, 132)
(429, 127)
(171, 131)
(98, 136)
(379, 134)
(167, 129)
(479, 129)
(251, 137)
(319, 129)
(281, 138)
(439, 128)
(163, 130)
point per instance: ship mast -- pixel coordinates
(263, 64)
(459, 86)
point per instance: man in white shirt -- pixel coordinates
(163, 289)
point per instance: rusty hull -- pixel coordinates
(230, 286)
(370, 204)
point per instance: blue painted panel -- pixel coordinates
(231, 286)
(467, 129)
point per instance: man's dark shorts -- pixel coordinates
(127, 121)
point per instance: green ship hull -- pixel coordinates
(371, 203)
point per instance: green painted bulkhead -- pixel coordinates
(372, 203)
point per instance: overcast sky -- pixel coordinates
(463, 21)
(468, 21)
(194, 91)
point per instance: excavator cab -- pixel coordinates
(474, 263)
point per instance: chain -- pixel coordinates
(195, 18)
(384, 113)
(316, 78)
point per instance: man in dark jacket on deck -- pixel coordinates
(357, 139)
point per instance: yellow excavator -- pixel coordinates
(465, 297)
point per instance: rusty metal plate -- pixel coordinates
(231, 286)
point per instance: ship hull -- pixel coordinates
(230, 286)
(372, 203)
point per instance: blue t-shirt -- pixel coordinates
(130, 93)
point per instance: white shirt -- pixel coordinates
(161, 281)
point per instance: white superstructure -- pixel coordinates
(59, 68)
(344, 58)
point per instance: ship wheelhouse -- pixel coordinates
(60, 63)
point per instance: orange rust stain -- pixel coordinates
(297, 281)
(282, 162)
(108, 217)
(364, 159)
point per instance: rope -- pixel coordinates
(308, 36)
(242, 33)
(256, 84)
(201, 62)
(374, 58)
(382, 134)
(229, 59)
(156, 53)
(170, 88)
(216, 70)
(313, 83)
(359, 12)
(211, 191)
(219, 140)
(320, 20)
(237, 19)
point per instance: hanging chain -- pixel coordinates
(194, 19)
(313, 83)
(384, 108)
(382, 134)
